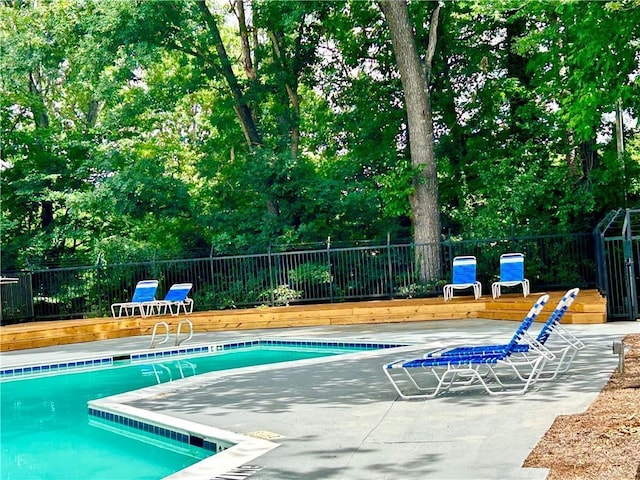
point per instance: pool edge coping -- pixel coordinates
(90, 362)
(245, 448)
(242, 449)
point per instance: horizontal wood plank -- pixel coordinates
(588, 308)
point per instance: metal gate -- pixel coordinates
(16, 297)
(617, 239)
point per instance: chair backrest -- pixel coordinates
(145, 291)
(464, 270)
(511, 267)
(178, 292)
(528, 321)
(556, 316)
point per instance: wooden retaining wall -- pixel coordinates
(589, 307)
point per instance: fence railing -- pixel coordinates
(617, 238)
(320, 275)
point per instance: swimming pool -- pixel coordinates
(48, 432)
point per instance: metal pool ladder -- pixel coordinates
(189, 335)
(154, 343)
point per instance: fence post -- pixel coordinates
(390, 266)
(213, 281)
(627, 249)
(99, 284)
(31, 304)
(601, 268)
(329, 268)
(153, 263)
(271, 282)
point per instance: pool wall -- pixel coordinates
(231, 449)
(81, 364)
(228, 450)
(58, 367)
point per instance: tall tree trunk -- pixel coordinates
(291, 86)
(589, 157)
(38, 108)
(41, 121)
(240, 106)
(244, 40)
(458, 146)
(424, 200)
(517, 68)
(92, 113)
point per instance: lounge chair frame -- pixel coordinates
(478, 368)
(565, 352)
(176, 297)
(511, 274)
(143, 294)
(567, 345)
(464, 276)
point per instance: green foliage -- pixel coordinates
(120, 137)
(416, 290)
(207, 298)
(281, 295)
(529, 151)
(310, 272)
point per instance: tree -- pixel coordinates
(132, 129)
(519, 151)
(42, 122)
(415, 82)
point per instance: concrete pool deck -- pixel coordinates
(340, 418)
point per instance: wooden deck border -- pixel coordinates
(589, 307)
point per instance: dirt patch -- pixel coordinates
(604, 441)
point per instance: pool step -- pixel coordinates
(588, 308)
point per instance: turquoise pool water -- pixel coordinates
(45, 432)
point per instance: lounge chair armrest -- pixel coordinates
(568, 337)
(395, 364)
(536, 346)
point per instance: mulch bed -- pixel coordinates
(604, 441)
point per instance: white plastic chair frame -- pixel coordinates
(564, 345)
(477, 368)
(506, 261)
(186, 305)
(487, 375)
(175, 297)
(463, 263)
(143, 294)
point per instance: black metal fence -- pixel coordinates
(385, 270)
(618, 255)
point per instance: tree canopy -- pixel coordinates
(131, 128)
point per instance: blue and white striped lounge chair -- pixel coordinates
(511, 274)
(175, 297)
(464, 276)
(144, 293)
(564, 345)
(427, 377)
(564, 351)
